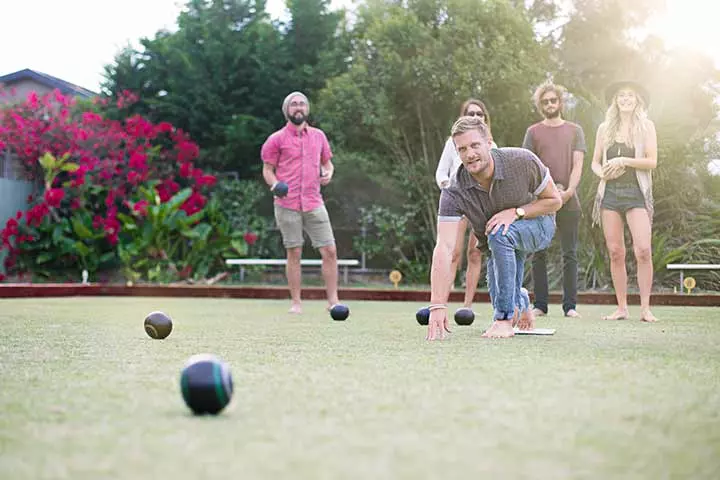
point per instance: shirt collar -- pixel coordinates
(292, 130)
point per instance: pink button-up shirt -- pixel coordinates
(296, 156)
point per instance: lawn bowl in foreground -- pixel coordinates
(206, 384)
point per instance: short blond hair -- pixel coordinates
(546, 87)
(466, 124)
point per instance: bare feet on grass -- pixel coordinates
(619, 314)
(647, 316)
(527, 320)
(500, 329)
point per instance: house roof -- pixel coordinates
(66, 88)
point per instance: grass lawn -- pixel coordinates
(85, 393)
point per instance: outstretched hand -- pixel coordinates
(437, 325)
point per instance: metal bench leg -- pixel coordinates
(682, 283)
(242, 274)
(345, 275)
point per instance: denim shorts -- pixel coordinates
(621, 197)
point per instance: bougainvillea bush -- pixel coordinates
(112, 196)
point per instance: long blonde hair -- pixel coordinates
(638, 122)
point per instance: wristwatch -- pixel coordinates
(519, 213)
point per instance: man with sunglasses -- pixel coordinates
(561, 146)
(296, 162)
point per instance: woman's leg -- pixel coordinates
(457, 253)
(472, 276)
(641, 231)
(613, 229)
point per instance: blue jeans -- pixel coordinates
(506, 265)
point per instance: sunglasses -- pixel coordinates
(476, 114)
(548, 101)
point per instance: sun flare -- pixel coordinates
(690, 23)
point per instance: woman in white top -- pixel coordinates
(444, 175)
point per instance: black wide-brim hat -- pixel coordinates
(613, 88)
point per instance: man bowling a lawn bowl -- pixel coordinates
(508, 194)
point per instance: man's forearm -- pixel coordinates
(575, 175)
(269, 176)
(543, 206)
(439, 273)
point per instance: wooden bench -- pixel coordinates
(689, 266)
(243, 262)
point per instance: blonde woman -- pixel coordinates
(625, 155)
(445, 173)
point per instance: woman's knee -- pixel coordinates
(643, 253)
(616, 252)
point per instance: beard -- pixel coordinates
(298, 118)
(553, 114)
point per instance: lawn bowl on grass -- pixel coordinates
(158, 325)
(206, 384)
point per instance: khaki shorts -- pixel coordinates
(315, 222)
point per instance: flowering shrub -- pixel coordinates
(93, 172)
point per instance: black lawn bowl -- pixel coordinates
(464, 316)
(423, 316)
(206, 384)
(339, 312)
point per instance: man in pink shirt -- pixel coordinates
(296, 162)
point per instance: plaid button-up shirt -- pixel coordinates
(518, 179)
(297, 156)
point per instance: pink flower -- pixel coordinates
(138, 161)
(53, 196)
(250, 238)
(75, 204)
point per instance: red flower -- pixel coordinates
(53, 196)
(2, 144)
(164, 127)
(250, 238)
(186, 170)
(208, 180)
(134, 178)
(141, 207)
(138, 161)
(75, 204)
(18, 215)
(2, 277)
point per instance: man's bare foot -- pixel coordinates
(572, 313)
(527, 320)
(295, 309)
(618, 315)
(500, 329)
(538, 313)
(647, 316)
(516, 317)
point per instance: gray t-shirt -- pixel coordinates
(518, 179)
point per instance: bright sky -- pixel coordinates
(73, 40)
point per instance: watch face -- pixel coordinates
(520, 212)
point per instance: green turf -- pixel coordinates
(85, 393)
